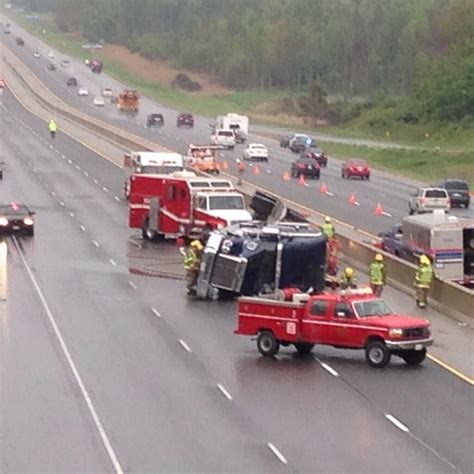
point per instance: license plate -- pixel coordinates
(16, 227)
(418, 347)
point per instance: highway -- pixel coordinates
(171, 387)
(390, 191)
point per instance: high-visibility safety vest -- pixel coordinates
(377, 273)
(191, 260)
(424, 276)
(345, 280)
(52, 126)
(328, 230)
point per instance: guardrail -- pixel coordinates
(451, 299)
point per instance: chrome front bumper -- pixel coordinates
(417, 344)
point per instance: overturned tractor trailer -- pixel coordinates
(282, 251)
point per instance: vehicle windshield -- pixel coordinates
(165, 169)
(13, 210)
(457, 185)
(366, 309)
(225, 134)
(357, 163)
(225, 203)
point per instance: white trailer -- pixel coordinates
(447, 240)
(238, 123)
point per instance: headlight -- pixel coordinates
(3, 221)
(428, 331)
(395, 332)
(28, 221)
(220, 226)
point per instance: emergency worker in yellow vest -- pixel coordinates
(192, 262)
(377, 275)
(423, 279)
(348, 279)
(328, 228)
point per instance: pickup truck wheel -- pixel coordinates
(377, 354)
(414, 357)
(267, 344)
(304, 347)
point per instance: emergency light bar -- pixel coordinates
(357, 292)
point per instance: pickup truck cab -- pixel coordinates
(351, 319)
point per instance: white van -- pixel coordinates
(429, 199)
(223, 137)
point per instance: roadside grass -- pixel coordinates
(423, 165)
(443, 150)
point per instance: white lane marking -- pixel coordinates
(78, 168)
(132, 284)
(224, 391)
(63, 156)
(277, 453)
(53, 193)
(329, 369)
(71, 214)
(69, 161)
(184, 346)
(396, 422)
(117, 198)
(96, 243)
(86, 173)
(112, 262)
(386, 214)
(61, 203)
(82, 228)
(94, 181)
(105, 189)
(85, 394)
(156, 312)
(329, 194)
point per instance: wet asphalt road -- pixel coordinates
(160, 369)
(388, 190)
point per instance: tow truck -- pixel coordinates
(351, 319)
(150, 163)
(203, 158)
(176, 206)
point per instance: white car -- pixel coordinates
(50, 54)
(224, 138)
(65, 63)
(36, 54)
(99, 101)
(107, 92)
(429, 199)
(256, 152)
(83, 91)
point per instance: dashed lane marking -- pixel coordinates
(277, 453)
(112, 262)
(396, 422)
(224, 391)
(184, 345)
(156, 312)
(132, 284)
(94, 242)
(329, 369)
(82, 228)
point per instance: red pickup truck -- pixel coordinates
(352, 319)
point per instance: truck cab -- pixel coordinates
(351, 319)
(229, 206)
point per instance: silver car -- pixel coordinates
(428, 199)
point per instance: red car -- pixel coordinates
(356, 167)
(185, 120)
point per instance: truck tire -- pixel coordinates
(414, 357)
(267, 344)
(377, 354)
(147, 233)
(303, 348)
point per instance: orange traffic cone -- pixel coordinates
(256, 170)
(286, 176)
(323, 189)
(301, 181)
(378, 209)
(352, 199)
(225, 165)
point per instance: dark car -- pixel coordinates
(392, 240)
(20, 41)
(355, 168)
(155, 120)
(317, 154)
(301, 142)
(2, 164)
(185, 120)
(71, 82)
(458, 191)
(305, 167)
(51, 67)
(16, 219)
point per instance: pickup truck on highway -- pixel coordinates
(351, 319)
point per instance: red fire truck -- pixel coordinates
(180, 206)
(351, 319)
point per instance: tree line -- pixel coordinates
(351, 47)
